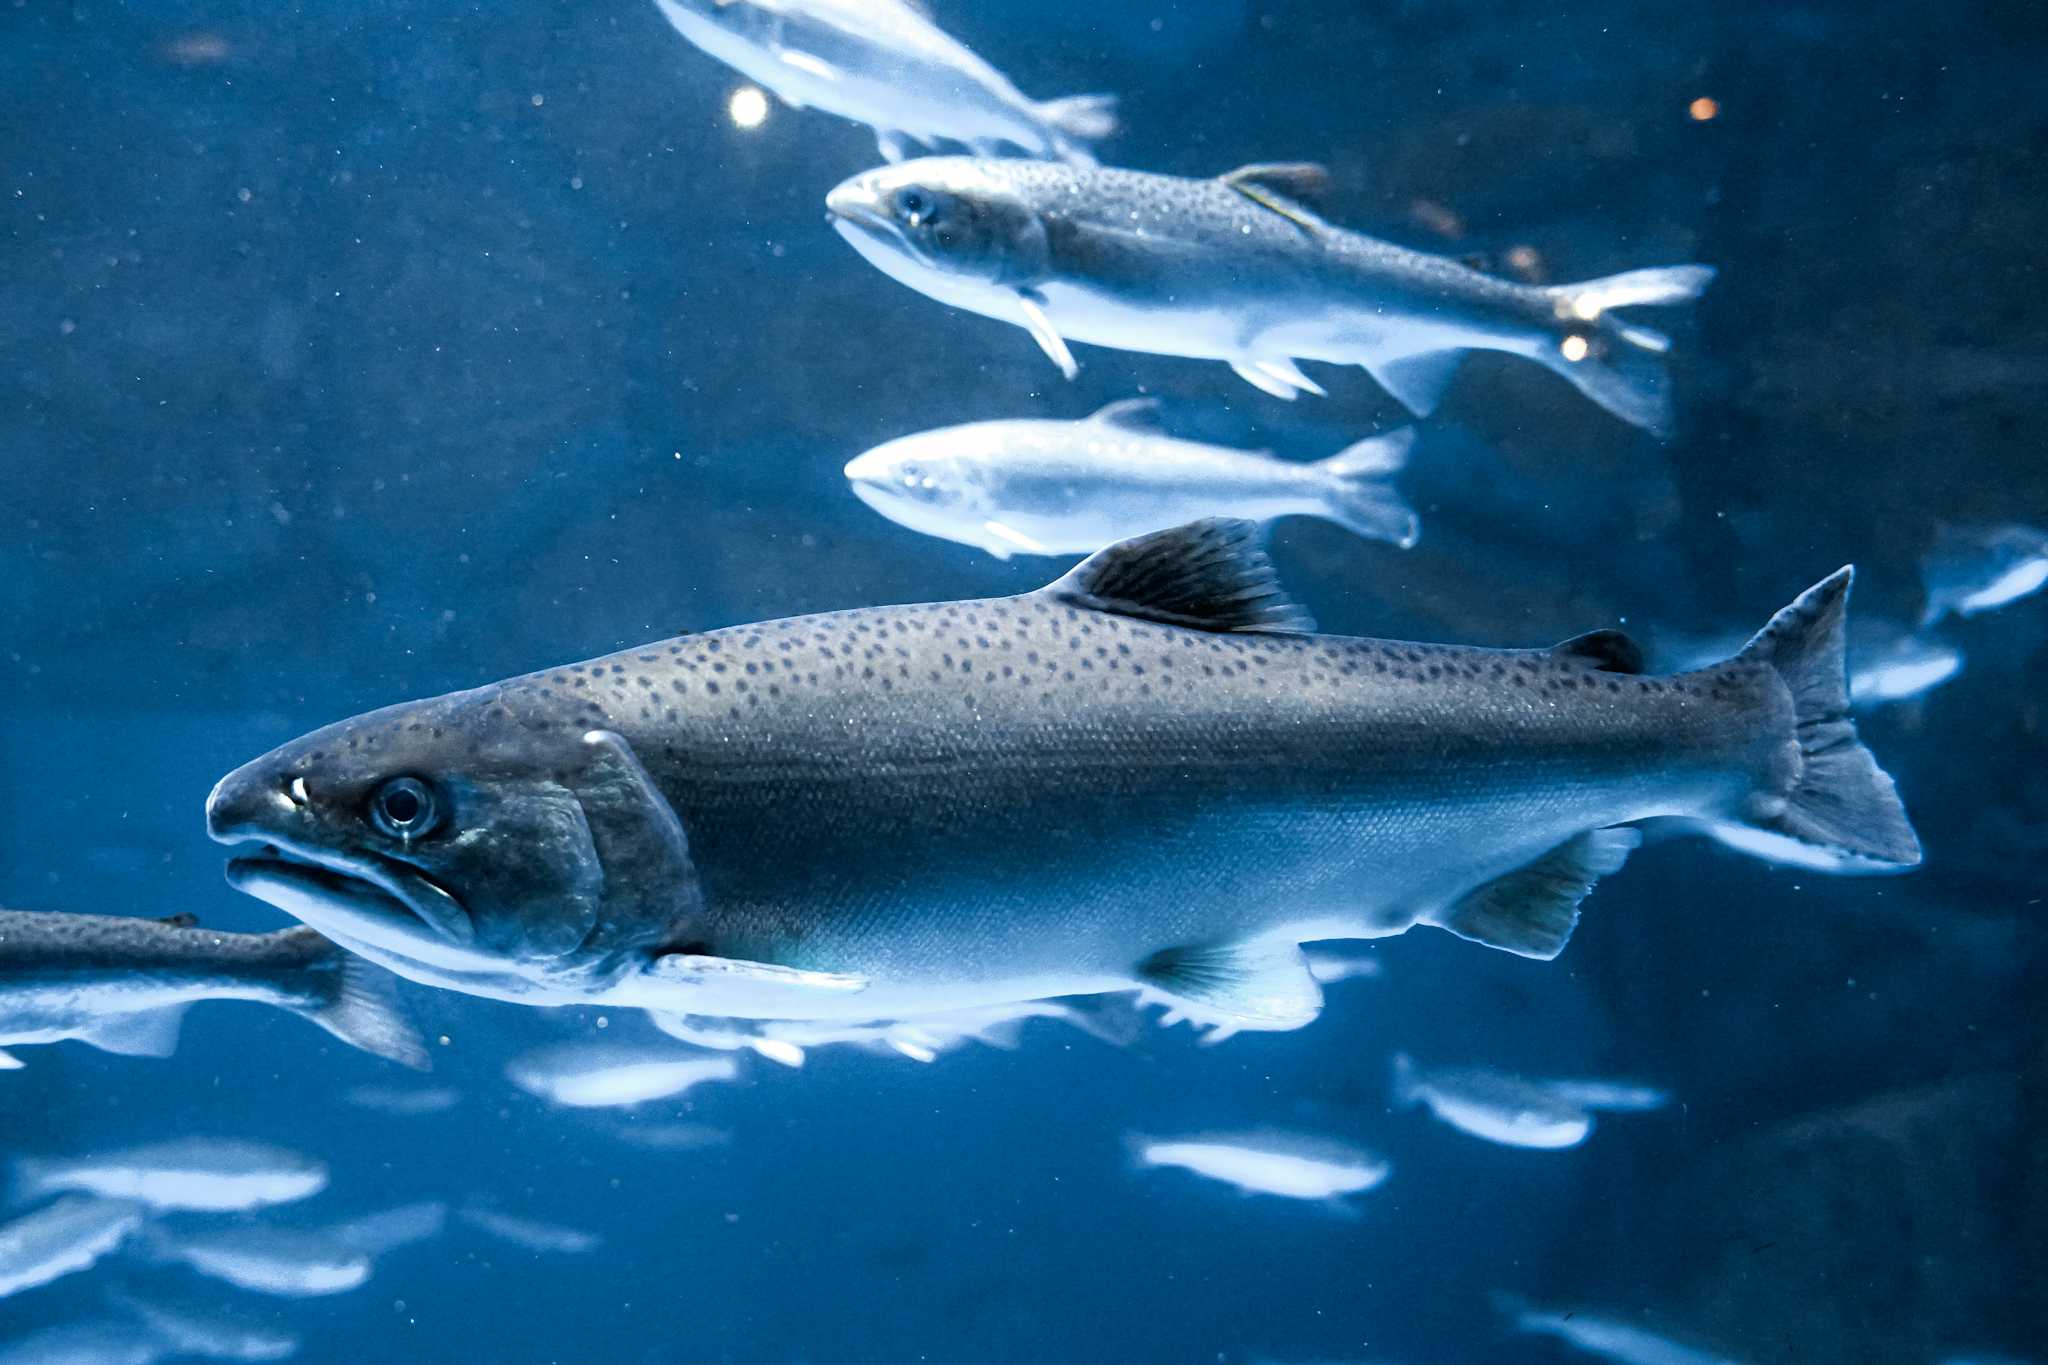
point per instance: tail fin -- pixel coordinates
(364, 1013)
(1619, 365)
(1085, 118)
(1838, 799)
(1359, 498)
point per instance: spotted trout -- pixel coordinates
(1147, 776)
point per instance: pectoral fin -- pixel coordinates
(722, 982)
(1032, 305)
(152, 1033)
(1532, 911)
(8, 1061)
(1237, 985)
(1417, 381)
(816, 67)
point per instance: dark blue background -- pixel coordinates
(353, 352)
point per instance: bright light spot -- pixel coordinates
(749, 107)
(1585, 308)
(1703, 109)
(1574, 348)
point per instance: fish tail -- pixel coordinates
(1617, 364)
(1358, 496)
(361, 1008)
(1079, 119)
(1833, 797)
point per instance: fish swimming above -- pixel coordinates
(212, 1175)
(1062, 488)
(1240, 269)
(1147, 776)
(886, 64)
(122, 983)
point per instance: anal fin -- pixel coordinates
(1417, 381)
(1532, 910)
(1239, 985)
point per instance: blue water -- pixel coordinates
(355, 353)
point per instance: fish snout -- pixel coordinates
(855, 201)
(249, 803)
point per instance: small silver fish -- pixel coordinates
(529, 1234)
(1239, 269)
(213, 1175)
(122, 983)
(1147, 776)
(1611, 1336)
(1973, 569)
(66, 1235)
(922, 1039)
(603, 1075)
(1289, 1165)
(886, 64)
(286, 1262)
(105, 1341)
(1062, 488)
(1513, 1110)
(211, 1331)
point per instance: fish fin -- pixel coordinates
(1207, 575)
(1532, 910)
(807, 63)
(1417, 381)
(1243, 985)
(892, 145)
(151, 1033)
(1604, 651)
(1375, 456)
(700, 969)
(184, 919)
(1619, 365)
(1839, 799)
(365, 1013)
(1010, 537)
(1264, 382)
(1085, 117)
(778, 1050)
(1287, 372)
(1134, 414)
(1359, 498)
(1032, 304)
(1105, 1018)
(8, 1061)
(1303, 182)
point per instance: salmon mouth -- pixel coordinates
(369, 897)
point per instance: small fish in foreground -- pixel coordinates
(1975, 569)
(1062, 488)
(106, 1341)
(285, 1262)
(1625, 1340)
(1512, 1110)
(65, 1236)
(921, 1039)
(886, 64)
(1899, 669)
(1240, 269)
(215, 1175)
(122, 983)
(211, 1331)
(1146, 777)
(603, 1075)
(403, 1101)
(1283, 1164)
(530, 1234)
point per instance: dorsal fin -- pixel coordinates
(1287, 188)
(1305, 182)
(1138, 414)
(1609, 651)
(1207, 575)
(184, 919)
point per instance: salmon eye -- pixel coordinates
(404, 808)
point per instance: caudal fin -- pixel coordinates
(1360, 499)
(364, 1012)
(1617, 364)
(1838, 799)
